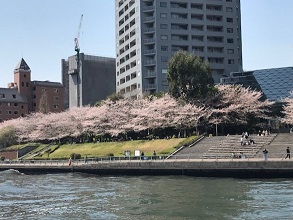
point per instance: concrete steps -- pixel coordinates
(226, 147)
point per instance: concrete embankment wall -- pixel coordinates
(234, 169)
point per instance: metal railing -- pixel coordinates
(191, 158)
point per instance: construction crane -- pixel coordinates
(77, 48)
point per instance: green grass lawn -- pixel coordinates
(161, 146)
(20, 146)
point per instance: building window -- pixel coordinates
(179, 37)
(196, 27)
(179, 47)
(15, 104)
(215, 28)
(214, 17)
(230, 51)
(228, 0)
(8, 112)
(26, 84)
(164, 59)
(43, 89)
(196, 6)
(229, 30)
(164, 71)
(229, 9)
(14, 96)
(230, 40)
(164, 48)
(230, 61)
(165, 83)
(56, 106)
(8, 104)
(22, 84)
(56, 98)
(214, 7)
(215, 49)
(179, 26)
(164, 37)
(56, 90)
(163, 4)
(218, 71)
(214, 39)
(215, 60)
(230, 20)
(196, 49)
(2, 96)
(196, 17)
(179, 15)
(178, 5)
(163, 15)
(163, 26)
(22, 107)
(15, 112)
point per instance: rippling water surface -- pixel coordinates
(76, 196)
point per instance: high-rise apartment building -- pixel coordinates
(149, 32)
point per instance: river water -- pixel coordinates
(81, 196)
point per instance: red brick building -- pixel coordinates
(24, 96)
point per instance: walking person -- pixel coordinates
(69, 161)
(154, 155)
(288, 153)
(265, 154)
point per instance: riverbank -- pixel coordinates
(236, 168)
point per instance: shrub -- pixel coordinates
(7, 136)
(75, 156)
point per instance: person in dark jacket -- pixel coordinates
(287, 153)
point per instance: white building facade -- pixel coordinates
(149, 32)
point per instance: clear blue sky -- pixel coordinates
(42, 32)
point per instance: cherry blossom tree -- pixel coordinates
(115, 116)
(119, 116)
(235, 103)
(288, 110)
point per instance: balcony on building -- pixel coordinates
(148, 8)
(149, 52)
(149, 19)
(149, 30)
(150, 86)
(150, 62)
(149, 40)
(150, 74)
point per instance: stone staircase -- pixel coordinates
(196, 151)
(221, 147)
(277, 148)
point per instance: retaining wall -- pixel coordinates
(235, 169)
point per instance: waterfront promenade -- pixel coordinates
(238, 168)
(221, 156)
